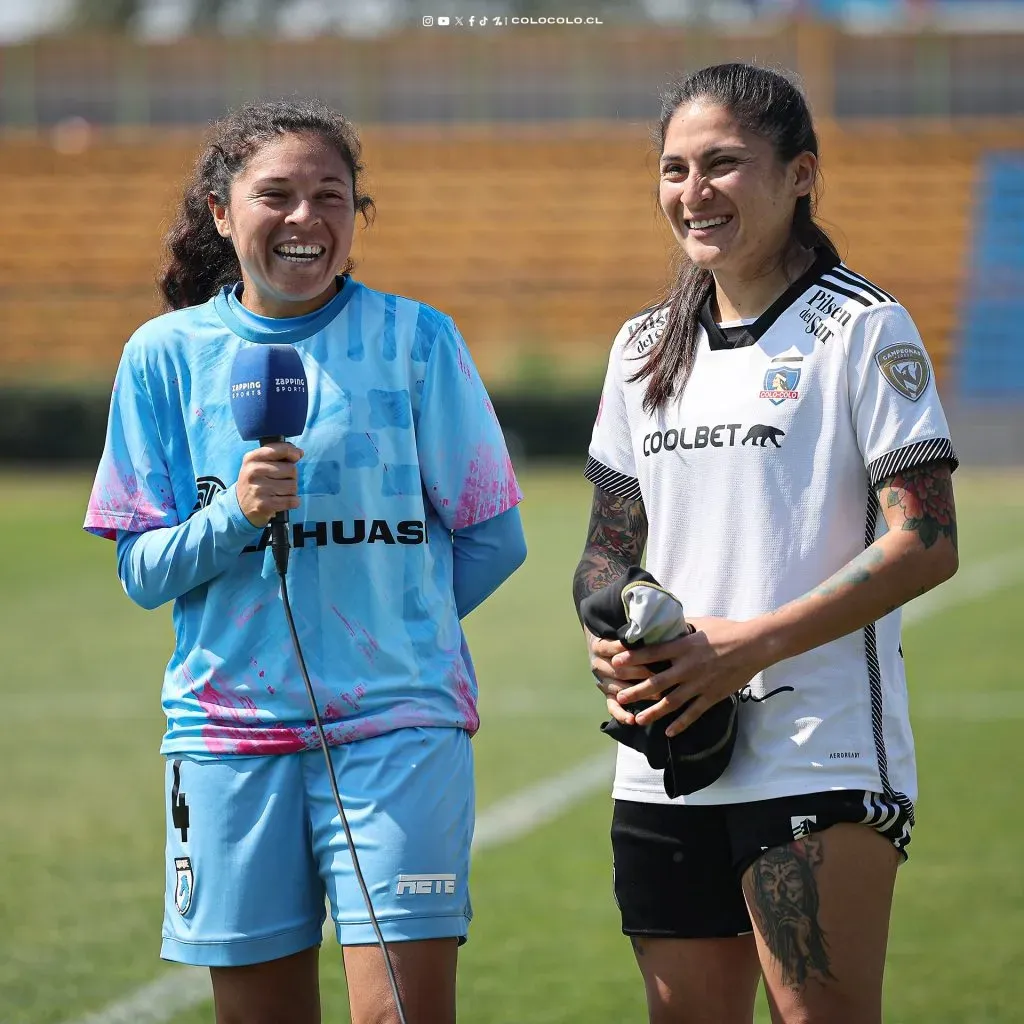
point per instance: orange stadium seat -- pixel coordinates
(539, 241)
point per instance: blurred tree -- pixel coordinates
(110, 15)
(619, 10)
(546, 8)
(258, 16)
(206, 15)
(203, 15)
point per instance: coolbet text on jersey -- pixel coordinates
(766, 465)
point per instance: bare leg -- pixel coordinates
(820, 908)
(425, 971)
(699, 981)
(269, 993)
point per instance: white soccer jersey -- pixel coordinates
(758, 483)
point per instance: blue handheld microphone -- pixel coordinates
(270, 401)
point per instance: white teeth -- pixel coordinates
(304, 251)
(713, 223)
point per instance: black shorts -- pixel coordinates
(677, 867)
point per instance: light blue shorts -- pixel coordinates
(254, 844)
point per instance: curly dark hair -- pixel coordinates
(199, 261)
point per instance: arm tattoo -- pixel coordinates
(857, 570)
(782, 893)
(919, 500)
(615, 541)
(924, 495)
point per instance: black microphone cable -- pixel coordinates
(280, 545)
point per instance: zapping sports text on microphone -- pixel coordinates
(270, 402)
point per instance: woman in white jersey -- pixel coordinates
(403, 519)
(772, 436)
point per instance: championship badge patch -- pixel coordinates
(905, 367)
(184, 884)
(780, 383)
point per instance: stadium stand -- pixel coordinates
(537, 239)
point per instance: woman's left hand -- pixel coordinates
(718, 659)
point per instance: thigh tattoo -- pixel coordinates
(783, 894)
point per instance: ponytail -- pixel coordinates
(200, 260)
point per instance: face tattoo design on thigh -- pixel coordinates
(783, 894)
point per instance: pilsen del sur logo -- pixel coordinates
(649, 331)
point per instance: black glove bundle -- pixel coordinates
(638, 611)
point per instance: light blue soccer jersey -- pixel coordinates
(401, 447)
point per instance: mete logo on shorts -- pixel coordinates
(802, 825)
(184, 884)
(424, 885)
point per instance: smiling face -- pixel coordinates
(290, 217)
(727, 196)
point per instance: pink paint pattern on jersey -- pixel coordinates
(465, 366)
(116, 503)
(465, 697)
(404, 715)
(367, 645)
(231, 727)
(489, 489)
(248, 613)
(249, 742)
(346, 703)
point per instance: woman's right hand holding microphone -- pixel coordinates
(268, 482)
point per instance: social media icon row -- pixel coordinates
(443, 20)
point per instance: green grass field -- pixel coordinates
(81, 864)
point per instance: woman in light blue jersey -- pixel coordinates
(403, 513)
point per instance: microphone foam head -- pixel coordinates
(269, 396)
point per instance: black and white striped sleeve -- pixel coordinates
(610, 463)
(897, 413)
(619, 484)
(917, 454)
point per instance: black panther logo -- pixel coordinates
(761, 433)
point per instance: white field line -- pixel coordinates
(519, 814)
(181, 989)
(969, 584)
(158, 1001)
